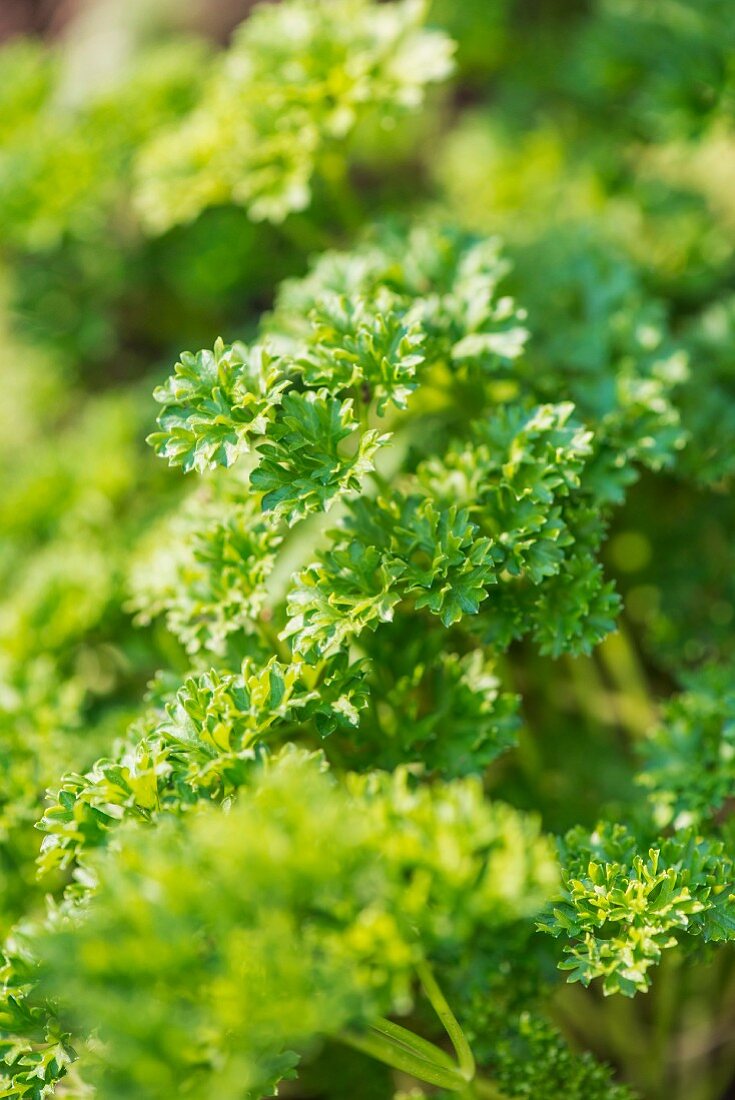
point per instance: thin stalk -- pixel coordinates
(302, 234)
(404, 1037)
(621, 662)
(486, 1090)
(380, 482)
(666, 1003)
(409, 1059)
(344, 200)
(270, 637)
(454, 1031)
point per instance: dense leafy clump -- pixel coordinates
(622, 908)
(531, 1059)
(335, 895)
(379, 740)
(684, 93)
(486, 537)
(690, 760)
(295, 84)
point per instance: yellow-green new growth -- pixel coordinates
(283, 103)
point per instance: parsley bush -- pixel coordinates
(371, 732)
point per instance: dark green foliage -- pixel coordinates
(451, 568)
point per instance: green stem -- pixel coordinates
(269, 635)
(345, 202)
(620, 659)
(363, 410)
(407, 1038)
(454, 1031)
(486, 1090)
(401, 1049)
(303, 235)
(380, 482)
(409, 1058)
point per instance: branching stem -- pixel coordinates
(454, 1031)
(402, 1049)
(408, 1055)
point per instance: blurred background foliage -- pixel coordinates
(597, 138)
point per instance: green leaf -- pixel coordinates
(215, 404)
(622, 908)
(304, 465)
(372, 345)
(296, 82)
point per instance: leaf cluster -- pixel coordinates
(296, 82)
(622, 908)
(322, 902)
